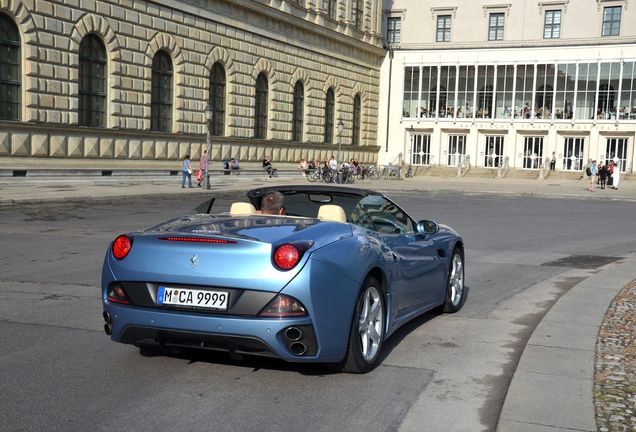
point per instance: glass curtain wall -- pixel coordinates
(447, 91)
(564, 95)
(465, 91)
(523, 91)
(628, 92)
(608, 90)
(411, 90)
(586, 91)
(428, 101)
(504, 91)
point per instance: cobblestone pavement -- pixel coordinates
(615, 369)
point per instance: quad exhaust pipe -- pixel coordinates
(298, 348)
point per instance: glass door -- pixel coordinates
(616, 151)
(532, 152)
(493, 156)
(456, 150)
(573, 154)
(421, 149)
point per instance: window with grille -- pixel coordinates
(393, 29)
(552, 24)
(217, 99)
(496, 27)
(161, 97)
(356, 120)
(260, 109)
(421, 149)
(612, 21)
(92, 82)
(9, 69)
(297, 124)
(443, 28)
(329, 116)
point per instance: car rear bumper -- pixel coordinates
(236, 335)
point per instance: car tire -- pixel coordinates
(367, 329)
(455, 291)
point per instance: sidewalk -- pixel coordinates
(552, 387)
(14, 190)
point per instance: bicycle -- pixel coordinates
(372, 172)
(314, 175)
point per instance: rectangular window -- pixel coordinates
(523, 91)
(612, 21)
(456, 150)
(496, 27)
(532, 152)
(465, 91)
(566, 78)
(485, 90)
(356, 10)
(428, 98)
(447, 77)
(493, 156)
(443, 28)
(421, 149)
(544, 94)
(503, 95)
(411, 89)
(608, 91)
(573, 154)
(333, 4)
(393, 30)
(586, 92)
(628, 92)
(552, 24)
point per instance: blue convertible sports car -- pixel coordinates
(328, 281)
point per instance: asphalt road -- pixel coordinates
(60, 372)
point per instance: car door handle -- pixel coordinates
(386, 250)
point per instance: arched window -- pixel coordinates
(329, 115)
(356, 120)
(217, 99)
(260, 108)
(9, 69)
(297, 125)
(92, 82)
(161, 98)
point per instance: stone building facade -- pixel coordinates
(331, 47)
(516, 81)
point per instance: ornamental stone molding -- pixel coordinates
(95, 24)
(167, 43)
(19, 12)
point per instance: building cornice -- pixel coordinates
(517, 44)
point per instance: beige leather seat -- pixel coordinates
(331, 212)
(242, 209)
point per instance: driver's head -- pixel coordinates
(272, 203)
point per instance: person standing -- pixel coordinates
(203, 168)
(602, 174)
(186, 171)
(592, 173)
(616, 176)
(553, 161)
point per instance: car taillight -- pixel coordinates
(121, 247)
(116, 294)
(287, 255)
(283, 306)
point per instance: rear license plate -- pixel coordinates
(217, 300)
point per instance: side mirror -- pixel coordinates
(427, 227)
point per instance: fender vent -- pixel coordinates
(441, 253)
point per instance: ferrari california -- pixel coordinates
(327, 278)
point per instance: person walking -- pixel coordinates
(186, 171)
(203, 167)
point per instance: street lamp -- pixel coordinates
(340, 131)
(208, 116)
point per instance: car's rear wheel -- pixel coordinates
(455, 291)
(367, 329)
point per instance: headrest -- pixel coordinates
(242, 209)
(331, 212)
